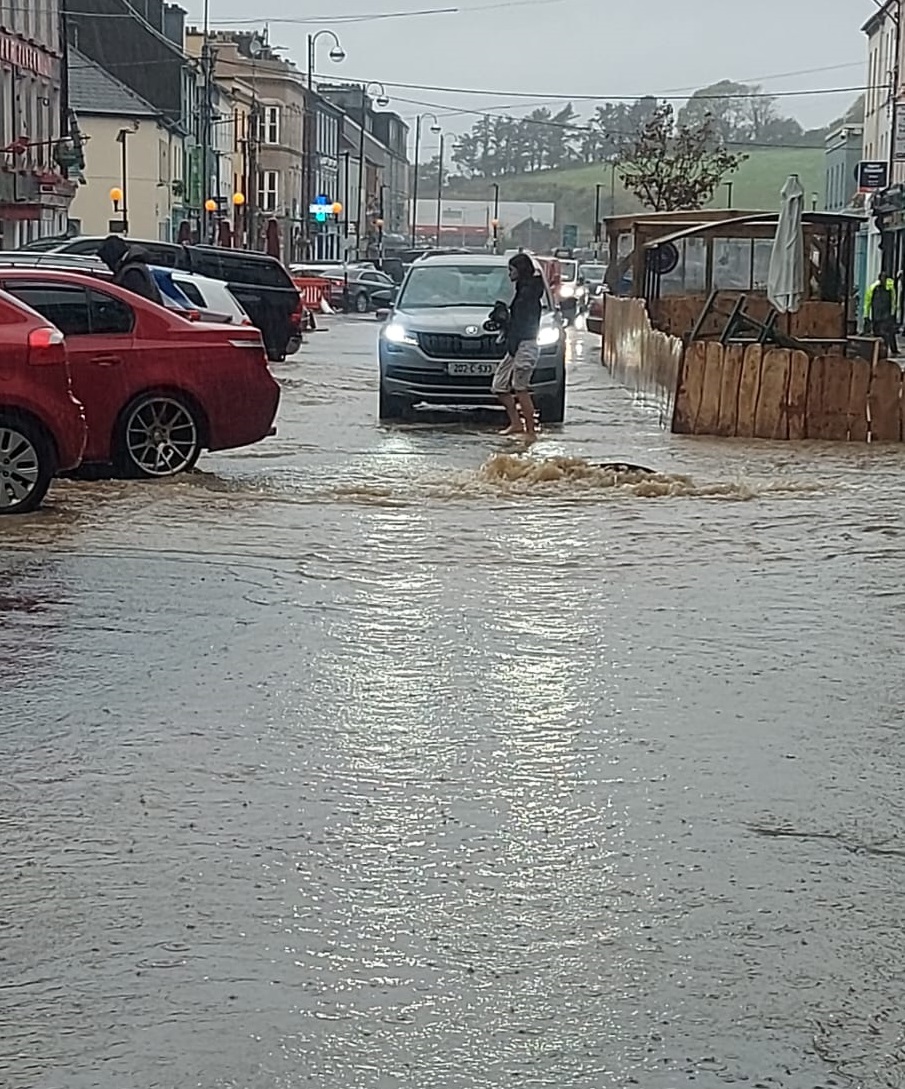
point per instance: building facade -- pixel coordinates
(393, 133)
(35, 190)
(844, 149)
(146, 55)
(273, 158)
(109, 114)
(882, 65)
(324, 232)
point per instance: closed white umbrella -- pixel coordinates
(785, 281)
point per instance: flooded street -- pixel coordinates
(384, 759)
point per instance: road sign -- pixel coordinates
(570, 236)
(871, 175)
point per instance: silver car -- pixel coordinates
(433, 348)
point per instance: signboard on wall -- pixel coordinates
(898, 143)
(872, 175)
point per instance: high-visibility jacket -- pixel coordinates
(890, 286)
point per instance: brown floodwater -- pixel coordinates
(371, 758)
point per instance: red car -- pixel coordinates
(42, 426)
(156, 389)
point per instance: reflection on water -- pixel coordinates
(375, 758)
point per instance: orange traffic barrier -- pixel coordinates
(313, 290)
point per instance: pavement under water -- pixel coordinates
(374, 758)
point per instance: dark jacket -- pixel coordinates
(129, 266)
(524, 312)
(134, 275)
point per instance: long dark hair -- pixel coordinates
(523, 265)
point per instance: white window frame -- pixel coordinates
(271, 123)
(269, 190)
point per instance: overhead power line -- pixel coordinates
(557, 97)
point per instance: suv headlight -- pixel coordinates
(396, 333)
(548, 335)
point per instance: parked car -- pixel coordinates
(592, 275)
(361, 281)
(42, 425)
(259, 283)
(212, 298)
(433, 348)
(363, 285)
(156, 389)
(571, 292)
(596, 308)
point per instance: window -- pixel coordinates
(108, 315)
(241, 269)
(66, 307)
(429, 285)
(732, 258)
(268, 190)
(206, 263)
(192, 293)
(271, 133)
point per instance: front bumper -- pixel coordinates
(408, 373)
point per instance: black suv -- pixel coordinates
(259, 283)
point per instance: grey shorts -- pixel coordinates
(513, 375)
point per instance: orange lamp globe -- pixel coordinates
(116, 195)
(210, 205)
(238, 199)
(337, 208)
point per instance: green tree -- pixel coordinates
(675, 167)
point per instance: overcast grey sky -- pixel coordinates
(605, 48)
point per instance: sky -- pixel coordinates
(488, 52)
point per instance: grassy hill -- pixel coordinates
(755, 186)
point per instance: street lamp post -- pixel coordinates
(121, 138)
(496, 216)
(435, 128)
(440, 194)
(597, 188)
(381, 222)
(337, 55)
(382, 101)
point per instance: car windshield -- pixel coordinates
(593, 274)
(455, 285)
(568, 270)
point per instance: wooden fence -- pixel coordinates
(774, 393)
(751, 391)
(645, 360)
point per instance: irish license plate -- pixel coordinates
(470, 369)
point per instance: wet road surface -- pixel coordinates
(374, 758)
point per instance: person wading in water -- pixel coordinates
(880, 309)
(512, 381)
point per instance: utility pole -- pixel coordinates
(496, 217)
(206, 118)
(308, 142)
(251, 185)
(597, 189)
(435, 128)
(415, 179)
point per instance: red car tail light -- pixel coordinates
(46, 346)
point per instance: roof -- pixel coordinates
(462, 259)
(768, 219)
(884, 11)
(93, 90)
